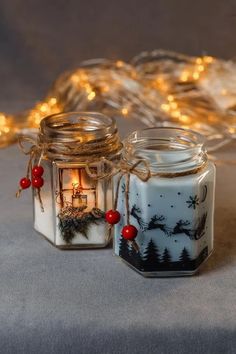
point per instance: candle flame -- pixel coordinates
(74, 177)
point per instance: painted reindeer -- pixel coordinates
(180, 228)
(157, 223)
(196, 233)
(135, 211)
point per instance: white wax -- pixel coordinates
(43, 221)
(47, 222)
(168, 197)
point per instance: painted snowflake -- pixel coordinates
(193, 202)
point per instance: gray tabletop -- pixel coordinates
(54, 301)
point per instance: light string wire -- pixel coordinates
(159, 88)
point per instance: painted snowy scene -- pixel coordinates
(174, 223)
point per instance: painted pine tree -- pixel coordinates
(135, 258)
(124, 251)
(185, 260)
(151, 260)
(166, 259)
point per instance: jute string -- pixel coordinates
(93, 155)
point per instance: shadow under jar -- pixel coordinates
(78, 147)
(173, 210)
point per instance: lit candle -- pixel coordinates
(74, 203)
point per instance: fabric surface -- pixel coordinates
(88, 301)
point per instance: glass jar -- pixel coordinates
(76, 149)
(173, 210)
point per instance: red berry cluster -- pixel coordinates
(37, 180)
(129, 232)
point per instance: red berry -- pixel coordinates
(37, 171)
(112, 216)
(25, 183)
(129, 232)
(37, 182)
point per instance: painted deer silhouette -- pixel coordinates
(134, 212)
(196, 233)
(181, 227)
(157, 223)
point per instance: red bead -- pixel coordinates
(112, 217)
(37, 182)
(25, 183)
(129, 232)
(37, 171)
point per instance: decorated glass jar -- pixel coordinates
(73, 158)
(165, 195)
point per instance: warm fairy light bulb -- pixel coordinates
(52, 101)
(165, 107)
(124, 111)
(75, 78)
(176, 114)
(184, 76)
(91, 95)
(201, 68)
(199, 60)
(170, 98)
(7, 130)
(173, 105)
(119, 63)
(184, 118)
(2, 119)
(208, 59)
(44, 107)
(196, 75)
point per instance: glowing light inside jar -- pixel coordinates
(78, 198)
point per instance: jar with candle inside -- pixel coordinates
(165, 195)
(77, 153)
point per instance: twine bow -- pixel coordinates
(140, 169)
(38, 148)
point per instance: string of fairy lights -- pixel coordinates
(160, 88)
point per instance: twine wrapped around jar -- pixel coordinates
(84, 137)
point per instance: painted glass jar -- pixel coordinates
(173, 209)
(76, 148)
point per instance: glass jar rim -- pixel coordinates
(68, 124)
(166, 149)
(79, 135)
(199, 138)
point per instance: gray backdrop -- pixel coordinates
(41, 38)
